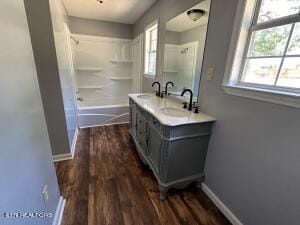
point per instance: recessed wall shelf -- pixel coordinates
(121, 61)
(92, 74)
(92, 87)
(89, 69)
(120, 78)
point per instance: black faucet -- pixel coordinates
(158, 92)
(166, 87)
(191, 98)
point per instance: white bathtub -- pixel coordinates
(99, 112)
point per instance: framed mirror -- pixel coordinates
(184, 49)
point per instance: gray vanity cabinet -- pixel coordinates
(175, 154)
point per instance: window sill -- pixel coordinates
(150, 76)
(277, 97)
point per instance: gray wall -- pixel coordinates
(254, 153)
(194, 34)
(100, 28)
(172, 37)
(163, 10)
(191, 35)
(25, 156)
(42, 38)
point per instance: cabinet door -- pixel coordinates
(154, 148)
(133, 118)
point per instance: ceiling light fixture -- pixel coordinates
(100, 1)
(195, 14)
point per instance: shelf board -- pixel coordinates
(92, 87)
(93, 74)
(89, 69)
(120, 61)
(120, 78)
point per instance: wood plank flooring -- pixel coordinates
(106, 184)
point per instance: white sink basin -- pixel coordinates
(145, 97)
(174, 112)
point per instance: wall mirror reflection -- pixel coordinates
(184, 48)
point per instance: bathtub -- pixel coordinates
(99, 112)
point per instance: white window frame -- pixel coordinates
(148, 51)
(247, 12)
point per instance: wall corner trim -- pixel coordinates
(62, 157)
(223, 208)
(59, 211)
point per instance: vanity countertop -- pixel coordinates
(155, 105)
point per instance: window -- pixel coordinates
(273, 50)
(150, 49)
(268, 56)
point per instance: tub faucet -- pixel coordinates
(157, 92)
(191, 98)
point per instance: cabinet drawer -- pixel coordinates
(154, 122)
(142, 135)
(142, 146)
(141, 131)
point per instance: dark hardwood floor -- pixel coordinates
(106, 184)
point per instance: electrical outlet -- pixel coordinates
(45, 194)
(210, 73)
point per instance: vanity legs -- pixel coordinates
(199, 183)
(163, 192)
(131, 139)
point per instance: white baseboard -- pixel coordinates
(67, 156)
(62, 157)
(222, 207)
(59, 211)
(73, 147)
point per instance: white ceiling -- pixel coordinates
(182, 22)
(121, 11)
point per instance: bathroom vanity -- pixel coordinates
(172, 141)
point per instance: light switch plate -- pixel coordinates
(210, 73)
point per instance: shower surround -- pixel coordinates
(107, 70)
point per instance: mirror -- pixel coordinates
(184, 48)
